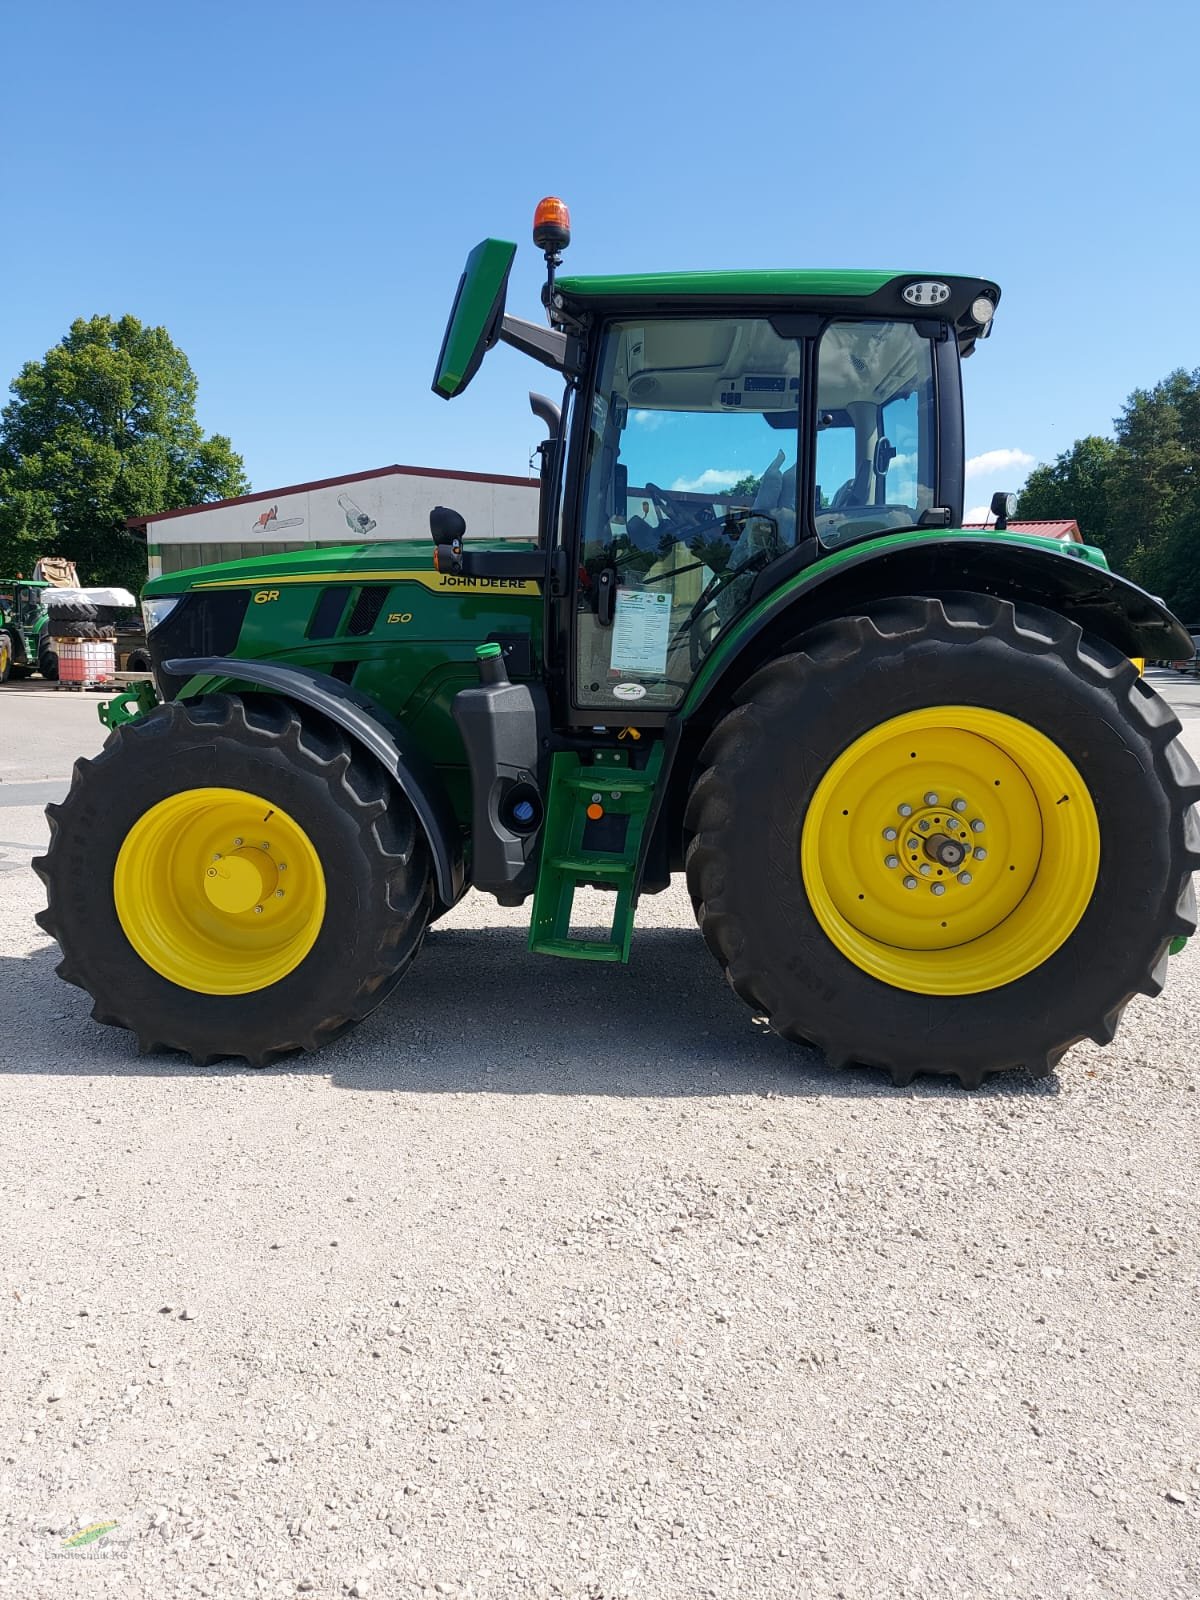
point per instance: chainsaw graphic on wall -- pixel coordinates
(357, 519)
(271, 522)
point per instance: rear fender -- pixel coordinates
(370, 726)
(1099, 601)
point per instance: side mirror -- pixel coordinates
(447, 528)
(446, 525)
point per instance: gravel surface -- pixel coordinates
(564, 1280)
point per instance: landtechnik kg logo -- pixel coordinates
(77, 1543)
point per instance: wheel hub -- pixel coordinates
(937, 842)
(242, 881)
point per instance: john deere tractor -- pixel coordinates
(931, 817)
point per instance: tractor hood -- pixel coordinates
(351, 563)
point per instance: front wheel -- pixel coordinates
(947, 836)
(228, 879)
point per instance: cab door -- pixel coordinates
(687, 487)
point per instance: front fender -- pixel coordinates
(1024, 570)
(370, 726)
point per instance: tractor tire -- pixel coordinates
(69, 611)
(948, 835)
(48, 663)
(196, 941)
(81, 630)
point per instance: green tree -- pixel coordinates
(743, 491)
(102, 429)
(1137, 495)
(1157, 492)
(1079, 484)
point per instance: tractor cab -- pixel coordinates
(719, 433)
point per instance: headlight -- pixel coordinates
(156, 611)
(982, 310)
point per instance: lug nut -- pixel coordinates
(939, 888)
(980, 855)
(236, 842)
(258, 911)
(891, 861)
(977, 826)
(279, 894)
(266, 844)
(959, 805)
(910, 883)
(905, 810)
(964, 877)
(926, 869)
(889, 833)
(216, 855)
(924, 824)
(931, 799)
(283, 866)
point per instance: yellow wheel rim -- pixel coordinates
(219, 891)
(950, 850)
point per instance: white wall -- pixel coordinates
(397, 503)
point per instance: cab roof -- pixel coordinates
(829, 291)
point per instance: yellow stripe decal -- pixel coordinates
(439, 582)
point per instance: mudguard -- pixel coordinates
(370, 726)
(1026, 571)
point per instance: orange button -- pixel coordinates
(595, 812)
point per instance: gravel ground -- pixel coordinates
(573, 1281)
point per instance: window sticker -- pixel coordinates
(641, 632)
(629, 691)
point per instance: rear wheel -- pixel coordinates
(229, 880)
(6, 657)
(945, 836)
(48, 663)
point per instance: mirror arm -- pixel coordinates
(546, 345)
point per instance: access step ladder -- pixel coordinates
(596, 818)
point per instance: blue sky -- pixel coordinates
(291, 190)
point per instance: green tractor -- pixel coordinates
(25, 643)
(931, 817)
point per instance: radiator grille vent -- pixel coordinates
(367, 608)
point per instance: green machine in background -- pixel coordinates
(25, 645)
(931, 817)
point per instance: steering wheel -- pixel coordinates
(684, 516)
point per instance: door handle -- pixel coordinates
(606, 594)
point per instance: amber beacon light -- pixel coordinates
(551, 225)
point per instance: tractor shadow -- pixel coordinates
(478, 1014)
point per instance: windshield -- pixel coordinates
(689, 491)
(876, 462)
